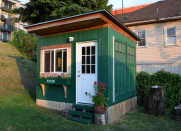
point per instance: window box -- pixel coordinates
(63, 82)
(53, 81)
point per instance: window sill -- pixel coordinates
(166, 46)
(141, 47)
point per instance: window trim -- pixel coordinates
(54, 60)
(167, 36)
(144, 39)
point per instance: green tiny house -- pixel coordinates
(89, 47)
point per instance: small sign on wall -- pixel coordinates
(50, 81)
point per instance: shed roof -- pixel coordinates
(77, 22)
(155, 11)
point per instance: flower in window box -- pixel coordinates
(6, 32)
(65, 74)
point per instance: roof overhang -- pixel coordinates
(77, 22)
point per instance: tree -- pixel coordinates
(43, 10)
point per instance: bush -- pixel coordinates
(26, 44)
(171, 81)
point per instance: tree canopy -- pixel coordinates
(43, 10)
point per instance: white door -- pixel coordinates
(86, 70)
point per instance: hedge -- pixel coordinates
(171, 81)
(26, 44)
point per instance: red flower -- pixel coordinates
(99, 82)
(95, 82)
(105, 85)
(103, 88)
(100, 93)
(100, 85)
(86, 93)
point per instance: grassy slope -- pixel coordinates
(18, 110)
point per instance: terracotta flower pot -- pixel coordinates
(99, 109)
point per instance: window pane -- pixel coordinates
(117, 45)
(120, 47)
(92, 59)
(171, 32)
(83, 59)
(141, 43)
(88, 60)
(123, 48)
(141, 34)
(47, 61)
(83, 50)
(92, 68)
(64, 60)
(92, 50)
(83, 69)
(88, 50)
(52, 61)
(171, 40)
(58, 58)
(87, 68)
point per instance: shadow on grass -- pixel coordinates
(27, 70)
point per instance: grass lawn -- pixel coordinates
(18, 110)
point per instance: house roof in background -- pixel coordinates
(128, 10)
(158, 10)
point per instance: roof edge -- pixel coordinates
(152, 21)
(93, 12)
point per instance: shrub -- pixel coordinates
(26, 44)
(172, 83)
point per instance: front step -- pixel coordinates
(82, 113)
(88, 121)
(84, 107)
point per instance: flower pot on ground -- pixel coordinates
(99, 99)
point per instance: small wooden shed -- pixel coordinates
(89, 47)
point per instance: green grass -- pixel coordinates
(18, 110)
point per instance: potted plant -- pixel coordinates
(99, 99)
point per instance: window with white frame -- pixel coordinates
(171, 36)
(55, 60)
(141, 34)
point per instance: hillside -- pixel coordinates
(16, 73)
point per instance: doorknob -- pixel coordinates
(78, 76)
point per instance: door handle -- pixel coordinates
(78, 76)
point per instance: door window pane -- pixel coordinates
(83, 50)
(92, 68)
(87, 68)
(83, 59)
(92, 50)
(88, 50)
(92, 59)
(88, 60)
(83, 69)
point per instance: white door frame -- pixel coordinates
(77, 54)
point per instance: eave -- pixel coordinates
(77, 22)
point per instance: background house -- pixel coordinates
(159, 26)
(7, 25)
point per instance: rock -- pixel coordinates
(64, 113)
(155, 101)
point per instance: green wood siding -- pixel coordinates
(56, 93)
(125, 71)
